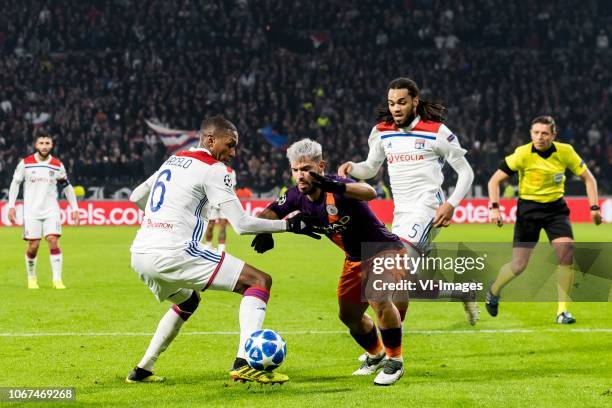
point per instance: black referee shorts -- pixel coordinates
(532, 217)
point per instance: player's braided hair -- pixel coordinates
(427, 110)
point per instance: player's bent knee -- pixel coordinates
(188, 307)
(264, 280)
(250, 277)
(350, 320)
(352, 315)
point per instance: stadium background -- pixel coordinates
(93, 73)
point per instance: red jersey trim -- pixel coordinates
(31, 159)
(427, 126)
(55, 162)
(198, 155)
(384, 126)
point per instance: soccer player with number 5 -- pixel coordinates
(168, 256)
(410, 135)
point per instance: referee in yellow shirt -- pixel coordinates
(541, 167)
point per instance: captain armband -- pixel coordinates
(62, 184)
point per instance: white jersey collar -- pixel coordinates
(49, 157)
(413, 123)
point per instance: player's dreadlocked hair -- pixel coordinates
(427, 110)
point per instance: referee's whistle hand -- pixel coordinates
(495, 217)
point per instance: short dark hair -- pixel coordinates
(546, 120)
(42, 133)
(218, 124)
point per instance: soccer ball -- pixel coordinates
(265, 350)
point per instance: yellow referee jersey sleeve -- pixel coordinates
(574, 163)
(542, 174)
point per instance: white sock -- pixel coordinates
(221, 247)
(208, 244)
(251, 315)
(56, 266)
(30, 266)
(167, 329)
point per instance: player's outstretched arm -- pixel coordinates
(363, 170)
(245, 224)
(493, 187)
(591, 190)
(358, 191)
(140, 194)
(369, 168)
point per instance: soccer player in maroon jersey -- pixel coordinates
(340, 204)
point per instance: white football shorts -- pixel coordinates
(34, 229)
(416, 228)
(194, 268)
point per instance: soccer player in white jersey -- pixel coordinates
(410, 135)
(168, 256)
(42, 175)
(217, 217)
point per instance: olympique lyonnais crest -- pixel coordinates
(419, 144)
(51, 173)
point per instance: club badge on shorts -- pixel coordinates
(419, 144)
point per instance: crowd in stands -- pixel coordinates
(92, 72)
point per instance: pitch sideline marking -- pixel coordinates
(303, 332)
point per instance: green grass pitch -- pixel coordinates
(90, 335)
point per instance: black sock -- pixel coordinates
(368, 341)
(239, 362)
